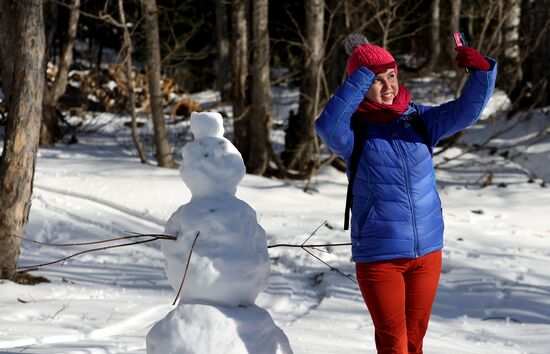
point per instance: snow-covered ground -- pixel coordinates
(494, 293)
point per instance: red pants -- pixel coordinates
(399, 294)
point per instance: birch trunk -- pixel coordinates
(511, 64)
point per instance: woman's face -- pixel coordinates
(385, 87)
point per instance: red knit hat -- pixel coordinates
(362, 53)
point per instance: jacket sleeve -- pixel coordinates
(451, 117)
(333, 125)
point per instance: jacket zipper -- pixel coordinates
(411, 204)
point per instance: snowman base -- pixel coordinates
(208, 329)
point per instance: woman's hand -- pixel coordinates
(469, 58)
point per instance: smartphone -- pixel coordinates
(460, 40)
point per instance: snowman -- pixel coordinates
(229, 265)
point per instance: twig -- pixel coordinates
(186, 267)
(88, 251)
(314, 231)
(58, 312)
(331, 267)
(319, 250)
(313, 246)
(309, 246)
(159, 236)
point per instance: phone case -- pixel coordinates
(459, 38)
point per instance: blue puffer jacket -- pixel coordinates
(396, 209)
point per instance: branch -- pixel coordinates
(87, 251)
(314, 231)
(102, 17)
(186, 267)
(313, 246)
(331, 267)
(158, 236)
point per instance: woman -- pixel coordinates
(397, 223)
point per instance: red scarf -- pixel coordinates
(383, 113)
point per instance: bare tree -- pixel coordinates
(390, 20)
(223, 82)
(300, 140)
(6, 50)
(162, 145)
(454, 26)
(335, 57)
(239, 88)
(49, 132)
(512, 55)
(129, 79)
(22, 132)
(260, 116)
(434, 36)
(540, 60)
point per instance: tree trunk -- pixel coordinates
(511, 64)
(239, 88)
(336, 57)
(50, 131)
(260, 118)
(162, 145)
(130, 81)
(6, 50)
(454, 26)
(51, 17)
(223, 81)
(540, 62)
(23, 128)
(300, 136)
(435, 42)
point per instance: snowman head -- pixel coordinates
(211, 165)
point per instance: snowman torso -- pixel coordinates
(230, 264)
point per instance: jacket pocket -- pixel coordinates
(362, 213)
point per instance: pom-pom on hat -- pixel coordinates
(362, 53)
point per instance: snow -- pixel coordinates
(493, 297)
(252, 324)
(230, 264)
(111, 85)
(211, 165)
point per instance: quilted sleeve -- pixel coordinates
(333, 125)
(451, 117)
